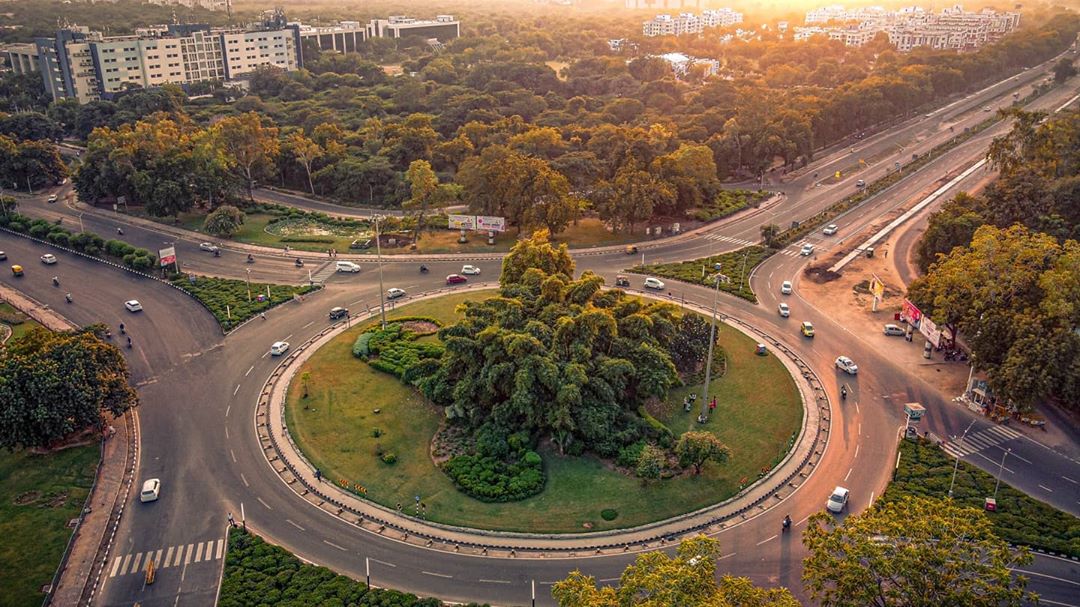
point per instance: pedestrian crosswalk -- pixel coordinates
(163, 558)
(326, 271)
(983, 439)
(728, 239)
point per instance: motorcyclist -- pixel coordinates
(56, 281)
(423, 268)
(120, 231)
(843, 392)
(68, 297)
(299, 262)
(787, 522)
(121, 328)
(250, 258)
(129, 341)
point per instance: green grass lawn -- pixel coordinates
(39, 494)
(736, 265)
(758, 410)
(24, 325)
(228, 298)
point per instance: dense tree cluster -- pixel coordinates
(687, 579)
(915, 551)
(55, 384)
(1004, 267)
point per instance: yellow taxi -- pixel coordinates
(17, 270)
(807, 329)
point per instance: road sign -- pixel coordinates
(167, 256)
(462, 222)
(494, 224)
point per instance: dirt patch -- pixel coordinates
(450, 441)
(26, 498)
(420, 327)
(56, 501)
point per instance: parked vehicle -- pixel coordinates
(894, 330)
(360, 243)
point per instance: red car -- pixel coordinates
(455, 279)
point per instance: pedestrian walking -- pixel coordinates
(262, 315)
(232, 522)
(318, 475)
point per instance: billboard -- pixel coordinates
(462, 222)
(910, 313)
(930, 331)
(877, 288)
(167, 256)
(495, 224)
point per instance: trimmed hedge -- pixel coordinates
(737, 265)
(227, 298)
(489, 479)
(728, 202)
(394, 350)
(926, 471)
(84, 242)
(258, 573)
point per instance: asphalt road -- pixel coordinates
(199, 393)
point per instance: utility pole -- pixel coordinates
(956, 464)
(378, 255)
(708, 361)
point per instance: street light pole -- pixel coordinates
(956, 464)
(708, 361)
(248, 270)
(378, 255)
(1000, 468)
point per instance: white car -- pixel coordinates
(48, 259)
(470, 270)
(347, 266)
(830, 229)
(151, 490)
(838, 500)
(784, 310)
(278, 348)
(807, 249)
(395, 293)
(847, 365)
(133, 305)
(894, 330)
(209, 247)
(52, 197)
(654, 283)
(987, 109)
(785, 287)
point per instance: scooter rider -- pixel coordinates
(787, 522)
(843, 392)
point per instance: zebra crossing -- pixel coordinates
(983, 439)
(728, 239)
(163, 558)
(324, 272)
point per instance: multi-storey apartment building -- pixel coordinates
(344, 37)
(443, 27)
(723, 17)
(689, 23)
(912, 27)
(663, 5)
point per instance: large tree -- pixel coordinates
(696, 448)
(55, 384)
(914, 552)
(305, 151)
(657, 580)
(252, 144)
(426, 193)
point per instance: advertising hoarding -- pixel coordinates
(910, 313)
(462, 222)
(494, 224)
(167, 256)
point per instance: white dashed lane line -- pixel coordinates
(442, 575)
(252, 368)
(383, 563)
(329, 543)
(264, 503)
(494, 581)
(295, 525)
(1046, 488)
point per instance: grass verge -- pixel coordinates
(758, 410)
(736, 265)
(259, 573)
(234, 301)
(20, 323)
(926, 471)
(39, 494)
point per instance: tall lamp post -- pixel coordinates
(956, 464)
(712, 341)
(378, 256)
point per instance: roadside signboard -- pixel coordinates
(930, 331)
(462, 222)
(877, 288)
(167, 256)
(494, 224)
(910, 313)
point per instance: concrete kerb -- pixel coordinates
(298, 473)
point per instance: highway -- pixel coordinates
(199, 389)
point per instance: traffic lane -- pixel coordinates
(303, 202)
(1056, 579)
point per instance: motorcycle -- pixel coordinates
(423, 269)
(299, 262)
(787, 523)
(56, 281)
(129, 342)
(251, 259)
(68, 297)
(843, 393)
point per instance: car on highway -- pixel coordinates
(860, 184)
(278, 348)
(347, 266)
(3, 256)
(894, 330)
(785, 287)
(338, 312)
(831, 229)
(838, 500)
(455, 279)
(807, 328)
(360, 243)
(846, 365)
(209, 247)
(48, 259)
(807, 249)
(151, 490)
(470, 270)
(17, 270)
(52, 197)
(654, 283)
(133, 305)
(784, 310)
(394, 293)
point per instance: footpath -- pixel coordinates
(772, 488)
(80, 569)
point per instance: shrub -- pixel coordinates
(608, 514)
(38, 230)
(376, 432)
(388, 458)
(360, 346)
(630, 454)
(227, 296)
(492, 480)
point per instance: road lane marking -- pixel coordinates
(226, 432)
(244, 479)
(328, 543)
(115, 566)
(848, 474)
(295, 525)
(236, 390)
(286, 338)
(198, 552)
(856, 454)
(383, 563)
(1056, 579)
(494, 581)
(135, 563)
(995, 462)
(264, 503)
(220, 548)
(442, 575)
(871, 498)
(766, 540)
(1069, 479)
(157, 558)
(1046, 488)
(227, 409)
(353, 303)
(265, 354)
(168, 557)
(726, 556)
(252, 368)
(308, 325)
(233, 456)
(609, 579)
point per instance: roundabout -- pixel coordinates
(567, 516)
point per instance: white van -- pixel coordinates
(347, 266)
(151, 490)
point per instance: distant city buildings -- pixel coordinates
(663, 5)
(908, 28)
(86, 65)
(689, 23)
(681, 64)
(210, 5)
